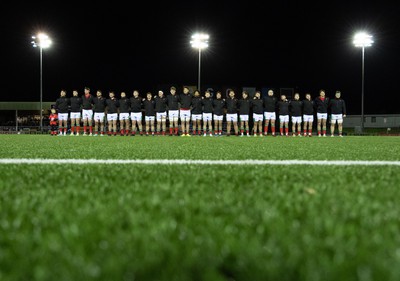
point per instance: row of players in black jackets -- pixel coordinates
(198, 104)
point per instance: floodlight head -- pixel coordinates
(362, 39)
(43, 41)
(200, 41)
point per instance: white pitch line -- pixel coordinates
(200, 162)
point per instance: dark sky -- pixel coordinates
(145, 45)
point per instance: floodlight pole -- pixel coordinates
(362, 90)
(199, 41)
(41, 89)
(198, 79)
(43, 41)
(362, 40)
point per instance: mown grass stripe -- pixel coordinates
(199, 162)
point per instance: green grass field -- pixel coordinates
(199, 222)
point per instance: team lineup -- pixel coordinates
(202, 115)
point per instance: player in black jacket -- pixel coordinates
(136, 112)
(308, 115)
(296, 106)
(337, 107)
(257, 105)
(321, 104)
(218, 109)
(173, 111)
(149, 113)
(185, 100)
(112, 105)
(99, 107)
(283, 111)
(231, 113)
(270, 104)
(75, 114)
(161, 112)
(207, 104)
(197, 110)
(244, 111)
(87, 111)
(62, 105)
(124, 116)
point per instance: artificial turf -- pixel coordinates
(199, 222)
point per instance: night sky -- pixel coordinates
(146, 46)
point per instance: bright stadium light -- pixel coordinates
(200, 42)
(362, 40)
(42, 41)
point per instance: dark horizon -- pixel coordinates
(282, 45)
